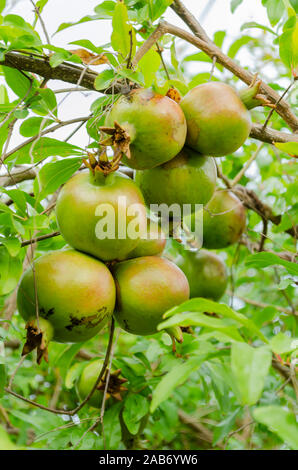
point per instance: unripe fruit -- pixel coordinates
(205, 271)
(218, 123)
(90, 209)
(189, 178)
(146, 288)
(152, 243)
(155, 127)
(87, 381)
(224, 220)
(88, 378)
(75, 293)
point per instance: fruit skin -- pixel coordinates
(156, 126)
(189, 178)
(220, 231)
(146, 288)
(76, 209)
(218, 123)
(87, 381)
(76, 294)
(205, 271)
(153, 242)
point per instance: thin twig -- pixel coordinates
(37, 11)
(46, 131)
(263, 305)
(277, 102)
(246, 166)
(82, 404)
(159, 50)
(15, 372)
(263, 235)
(212, 68)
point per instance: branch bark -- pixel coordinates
(15, 177)
(251, 201)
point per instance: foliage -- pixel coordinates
(235, 372)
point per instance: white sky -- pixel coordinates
(77, 104)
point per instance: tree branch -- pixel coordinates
(271, 136)
(206, 45)
(71, 73)
(15, 177)
(190, 20)
(44, 132)
(251, 201)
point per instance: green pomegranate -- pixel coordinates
(154, 128)
(152, 243)
(205, 271)
(146, 288)
(88, 378)
(87, 381)
(76, 298)
(224, 220)
(189, 178)
(218, 123)
(224, 229)
(103, 216)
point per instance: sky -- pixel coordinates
(214, 14)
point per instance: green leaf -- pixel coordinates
(288, 45)
(3, 95)
(200, 319)
(33, 125)
(104, 79)
(235, 4)
(173, 379)
(275, 10)
(58, 57)
(85, 19)
(238, 44)
(280, 421)
(43, 148)
(282, 343)
(10, 271)
(224, 427)
(87, 45)
(73, 374)
(18, 82)
(2, 5)
(250, 367)
(263, 260)
(149, 65)
(120, 38)
(13, 245)
(54, 174)
(158, 7)
(135, 408)
(105, 10)
(209, 306)
(41, 4)
(64, 360)
(253, 24)
(289, 147)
